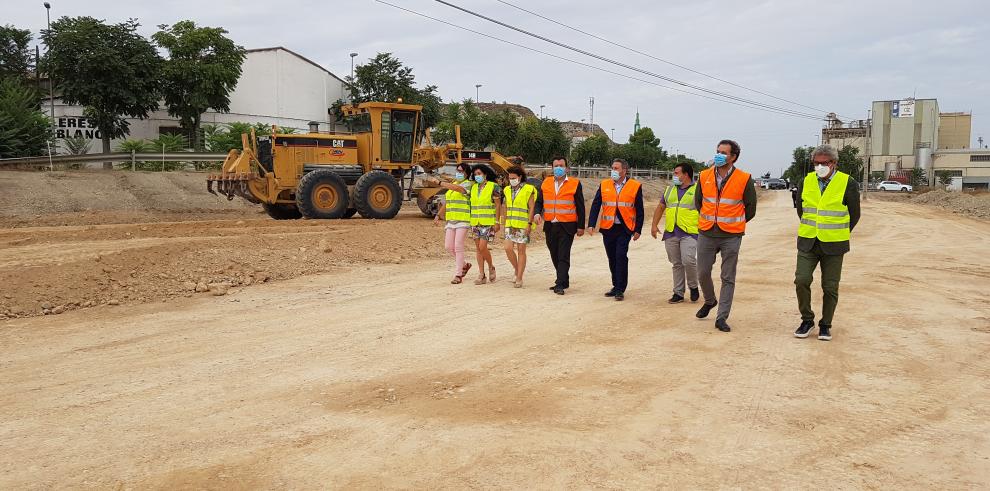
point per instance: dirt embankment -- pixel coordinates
(32, 198)
(973, 205)
(55, 269)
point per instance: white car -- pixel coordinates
(894, 186)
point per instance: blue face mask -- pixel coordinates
(676, 181)
(719, 160)
(459, 176)
(559, 172)
(479, 179)
(615, 175)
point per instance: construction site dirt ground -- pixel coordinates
(337, 354)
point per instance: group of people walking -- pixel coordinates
(704, 218)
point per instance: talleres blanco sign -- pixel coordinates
(77, 127)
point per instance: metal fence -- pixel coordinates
(61, 160)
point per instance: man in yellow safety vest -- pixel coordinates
(827, 203)
(680, 233)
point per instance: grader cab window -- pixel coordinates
(358, 123)
(403, 125)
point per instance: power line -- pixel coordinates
(619, 63)
(634, 50)
(623, 75)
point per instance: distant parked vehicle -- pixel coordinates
(894, 186)
(774, 184)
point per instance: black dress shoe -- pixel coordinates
(610, 293)
(722, 325)
(552, 287)
(619, 296)
(705, 309)
(804, 329)
(676, 299)
(558, 291)
(694, 295)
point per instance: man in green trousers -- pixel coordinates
(827, 203)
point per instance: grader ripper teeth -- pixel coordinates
(231, 185)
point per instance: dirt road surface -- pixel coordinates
(387, 376)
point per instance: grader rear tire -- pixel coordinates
(282, 211)
(377, 195)
(322, 194)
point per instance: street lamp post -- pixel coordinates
(544, 105)
(51, 85)
(477, 98)
(613, 135)
(353, 55)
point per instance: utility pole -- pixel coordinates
(477, 88)
(51, 85)
(591, 117)
(352, 75)
(869, 150)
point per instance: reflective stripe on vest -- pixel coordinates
(681, 212)
(517, 207)
(457, 208)
(482, 205)
(623, 202)
(823, 216)
(559, 206)
(724, 207)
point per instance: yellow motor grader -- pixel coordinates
(369, 170)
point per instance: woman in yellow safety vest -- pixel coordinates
(517, 218)
(486, 199)
(456, 211)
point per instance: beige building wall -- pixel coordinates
(972, 163)
(900, 136)
(954, 130)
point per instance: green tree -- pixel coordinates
(642, 151)
(384, 78)
(595, 151)
(15, 52)
(78, 145)
(479, 129)
(201, 71)
(944, 177)
(539, 140)
(645, 136)
(800, 164)
(109, 69)
(918, 177)
(850, 162)
(24, 129)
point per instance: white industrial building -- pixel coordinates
(908, 133)
(277, 86)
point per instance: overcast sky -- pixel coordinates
(838, 56)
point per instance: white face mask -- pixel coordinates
(823, 171)
(514, 182)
